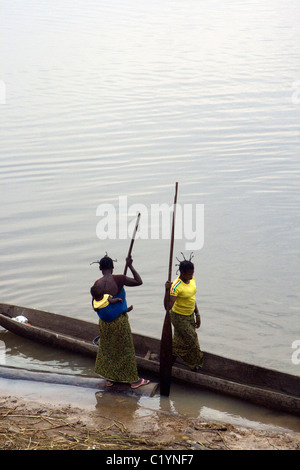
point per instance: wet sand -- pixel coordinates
(30, 424)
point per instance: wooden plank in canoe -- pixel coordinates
(94, 382)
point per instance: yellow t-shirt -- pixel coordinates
(185, 296)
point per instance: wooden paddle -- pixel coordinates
(166, 337)
(132, 240)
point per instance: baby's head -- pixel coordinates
(97, 293)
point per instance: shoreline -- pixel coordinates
(26, 424)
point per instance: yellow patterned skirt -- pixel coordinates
(116, 354)
(185, 340)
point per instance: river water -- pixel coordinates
(107, 104)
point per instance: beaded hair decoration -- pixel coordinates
(184, 259)
(106, 256)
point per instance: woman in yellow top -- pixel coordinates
(185, 316)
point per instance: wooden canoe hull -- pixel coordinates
(254, 384)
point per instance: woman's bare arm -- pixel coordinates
(169, 299)
(136, 280)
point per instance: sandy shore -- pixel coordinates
(25, 424)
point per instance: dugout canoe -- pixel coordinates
(252, 383)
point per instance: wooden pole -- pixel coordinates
(166, 337)
(132, 240)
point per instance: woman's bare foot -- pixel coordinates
(140, 383)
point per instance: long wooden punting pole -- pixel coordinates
(166, 337)
(132, 240)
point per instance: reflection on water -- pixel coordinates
(21, 352)
(106, 100)
(183, 400)
(128, 410)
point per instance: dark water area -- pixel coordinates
(107, 103)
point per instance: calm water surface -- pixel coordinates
(108, 99)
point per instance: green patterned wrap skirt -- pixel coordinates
(185, 340)
(116, 354)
